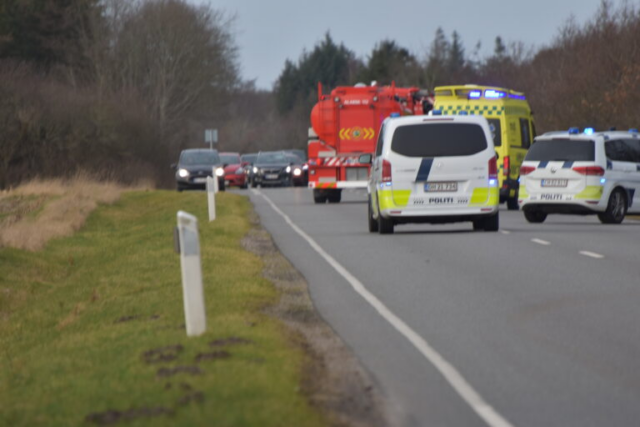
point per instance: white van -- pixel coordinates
(581, 173)
(434, 169)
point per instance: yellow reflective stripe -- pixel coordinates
(485, 196)
(392, 199)
(590, 192)
(522, 192)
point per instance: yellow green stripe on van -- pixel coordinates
(590, 192)
(391, 199)
(485, 196)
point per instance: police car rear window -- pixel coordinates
(562, 150)
(438, 140)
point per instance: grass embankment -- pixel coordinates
(92, 327)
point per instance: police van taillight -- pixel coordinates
(386, 171)
(526, 170)
(493, 168)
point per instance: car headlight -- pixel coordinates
(183, 173)
(288, 169)
(297, 172)
(255, 169)
(239, 171)
(219, 172)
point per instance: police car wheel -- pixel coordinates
(616, 208)
(491, 223)
(535, 217)
(373, 224)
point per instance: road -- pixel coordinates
(535, 325)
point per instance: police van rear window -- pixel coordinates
(560, 149)
(439, 140)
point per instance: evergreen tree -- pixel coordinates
(455, 57)
(389, 62)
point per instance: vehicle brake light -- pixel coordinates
(506, 166)
(493, 168)
(526, 170)
(589, 170)
(386, 171)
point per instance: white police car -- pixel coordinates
(433, 169)
(581, 173)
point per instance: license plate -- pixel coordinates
(555, 182)
(199, 180)
(271, 176)
(440, 187)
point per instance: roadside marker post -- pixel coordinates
(192, 290)
(211, 197)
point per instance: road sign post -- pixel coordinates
(211, 137)
(192, 290)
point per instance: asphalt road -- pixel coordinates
(535, 325)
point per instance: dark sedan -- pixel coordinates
(195, 165)
(271, 168)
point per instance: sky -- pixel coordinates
(268, 32)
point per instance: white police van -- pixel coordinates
(433, 169)
(581, 173)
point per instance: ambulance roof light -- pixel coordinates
(588, 131)
(494, 94)
(633, 130)
(394, 115)
(475, 94)
(574, 131)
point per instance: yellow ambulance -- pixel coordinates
(511, 122)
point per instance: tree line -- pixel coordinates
(118, 87)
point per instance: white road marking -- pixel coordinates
(541, 242)
(448, 371)
(591, 254)
(505, 232)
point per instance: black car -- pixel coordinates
(195, 165)
(271, 168)
(299, 170)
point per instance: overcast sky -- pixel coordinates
(270, 31)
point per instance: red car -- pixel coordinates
(233, 170)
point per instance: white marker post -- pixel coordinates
(211, 197)
(215, 180)
(193, 294)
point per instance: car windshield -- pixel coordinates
(271, 158)
(561, 149)
(199, 158)
(294, 159)
(230, 159)
(439, 139)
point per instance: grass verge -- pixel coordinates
(91, 327)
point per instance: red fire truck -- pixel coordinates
(345, 125)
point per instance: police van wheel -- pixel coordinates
(512, 203)
(373, 224)
(616, 209)
(535, 216)
(491, 223)
(385, 226)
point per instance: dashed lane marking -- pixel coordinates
(541, 242)
(490, 416)
(591, 254)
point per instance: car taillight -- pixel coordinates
(526, 170)
(493, 168)
(506, 166)
(386, 171)
(589, 170)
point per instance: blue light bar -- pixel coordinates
(588, 131)
(520, 97)
(633, 130)
(394, 115)
(494, 94)
(475, 94)
(574, 131)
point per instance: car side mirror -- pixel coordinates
(365, 158)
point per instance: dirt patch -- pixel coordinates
(229, 341)
(114, 417)
(333, 379)
(169, 372)
(162, 354)
(214, 355)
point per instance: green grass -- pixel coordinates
(77, 317)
